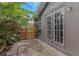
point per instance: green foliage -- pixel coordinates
(12, 16)
(12, 10)
(8, 32)
(23, 22)
(36, 16)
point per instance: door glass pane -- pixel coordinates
(61, 40)
(49, 32)
(56, 33)
(61, 34)
(59, 27)
(49, 27)
(56, 27)
(48, 23)
(49, 36)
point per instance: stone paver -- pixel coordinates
(33, 48)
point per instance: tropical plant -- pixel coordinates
(13, 10)
(36, 16)
(12, 16)
(8, 33)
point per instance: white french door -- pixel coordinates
(55, 26)
(59, 26)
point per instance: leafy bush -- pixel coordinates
(8, 33)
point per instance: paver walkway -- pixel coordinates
(33, 47)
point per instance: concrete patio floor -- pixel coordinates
(33, 47)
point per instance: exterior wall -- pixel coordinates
(72, 29)
(43, 18)
(71, 26)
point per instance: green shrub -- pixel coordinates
(8, 32)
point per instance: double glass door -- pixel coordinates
(55, 27)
